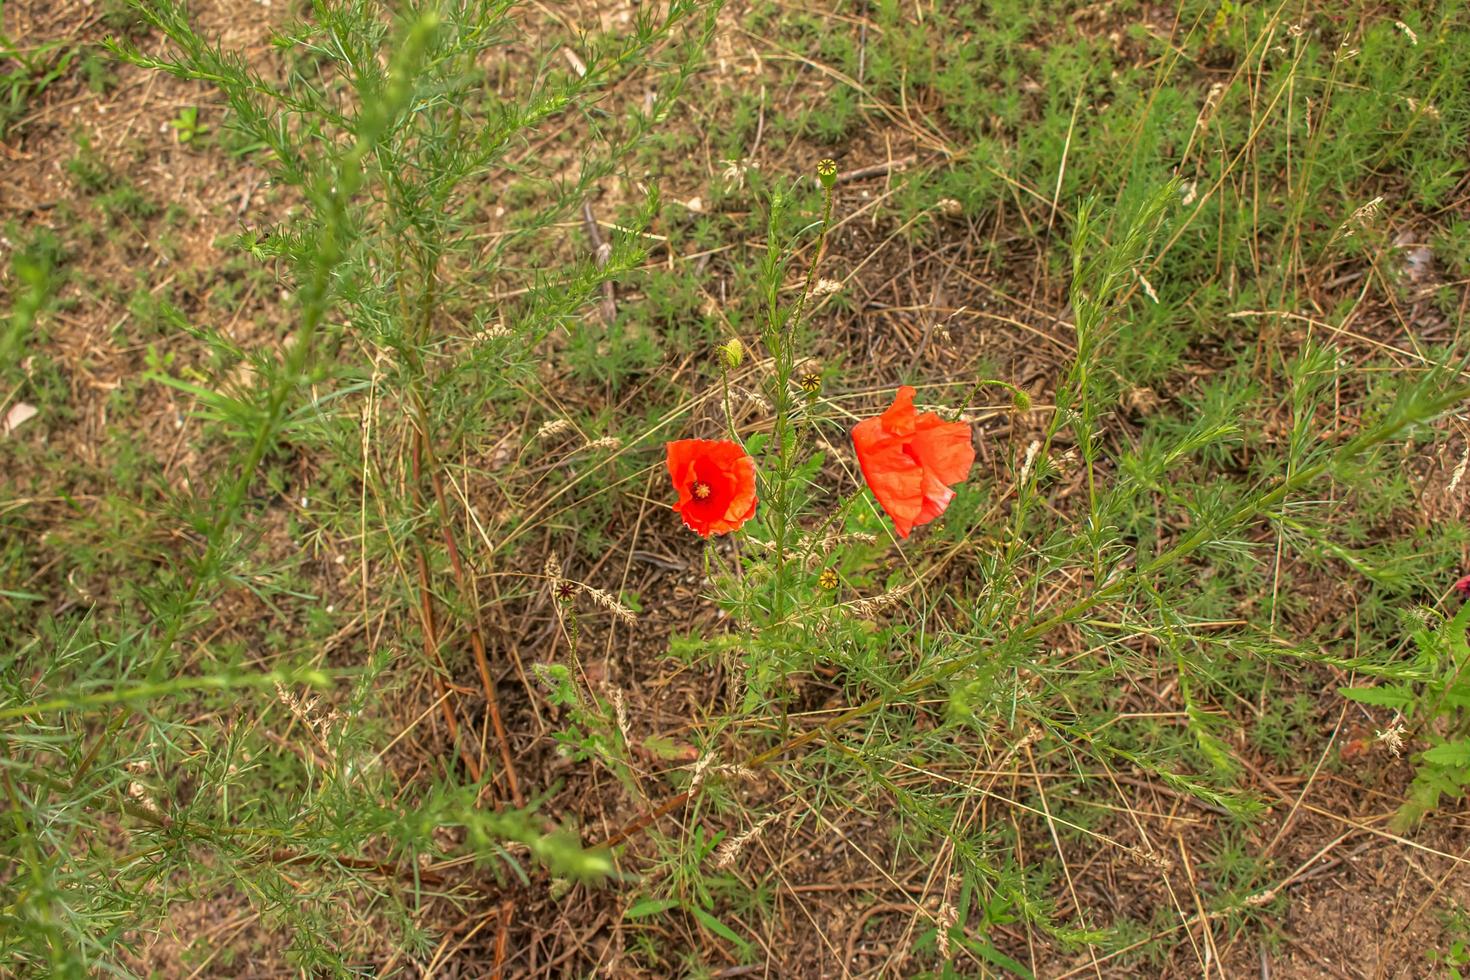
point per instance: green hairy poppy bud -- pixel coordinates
(732, 352)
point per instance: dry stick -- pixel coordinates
(441, 954)
(477, 640)
(642, 823)
(356, 863)
(502, 938)
(601, 252)
(431, 632)
(877, 170)
(1187, 545)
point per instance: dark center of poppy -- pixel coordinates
(700, 491)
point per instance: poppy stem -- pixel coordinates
(781, 342)
(811, 269)
(1017, 395)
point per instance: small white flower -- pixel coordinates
(1392, 738)
(735, 171)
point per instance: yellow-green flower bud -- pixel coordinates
(732, 352)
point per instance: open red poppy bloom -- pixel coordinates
(911, 459)
(715, 481)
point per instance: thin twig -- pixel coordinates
(477, 640)
(431, 633)
(877, 169)
(601, 252)
(502, 938)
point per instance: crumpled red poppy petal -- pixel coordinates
(936, 498)
(945, 448)
(895, 477)
(910, 459)
(900, 417)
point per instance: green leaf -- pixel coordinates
(1383, 697)
(650, 906)
(715, 925)
(667, 748)
(1449, 754)
(988, 952)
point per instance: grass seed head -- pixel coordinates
(611, 604)
(552, 427)
(1392, 738)
(731, 848)
(944, 920)
(867, 608)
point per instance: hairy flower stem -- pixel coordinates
(781, 341)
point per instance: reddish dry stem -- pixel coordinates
(284, 857)
(477, 640)
(431, 643)
(642, 823)
(502, 939)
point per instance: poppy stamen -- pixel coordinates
(700, 491)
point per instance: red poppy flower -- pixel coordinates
(1463, 586)
(911, 459)
(715, 481)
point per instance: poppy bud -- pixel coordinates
(732, 352)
